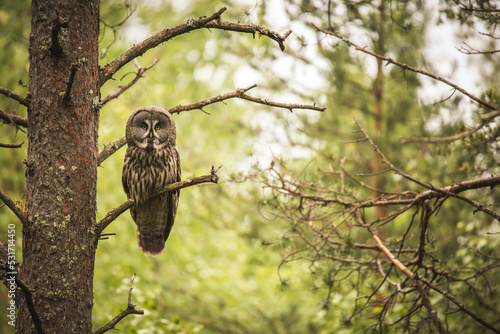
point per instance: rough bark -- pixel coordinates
(59, 239)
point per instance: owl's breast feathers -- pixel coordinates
(144, 172)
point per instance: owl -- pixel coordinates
(151, 162)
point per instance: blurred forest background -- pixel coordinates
(236, 261)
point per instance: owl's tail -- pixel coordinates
(154, 222)
(150, 244)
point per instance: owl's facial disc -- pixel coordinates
(151, 129)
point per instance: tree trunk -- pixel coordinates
(59, 241)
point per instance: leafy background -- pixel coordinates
(219, 273)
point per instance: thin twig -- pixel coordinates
(129, 310)
(485, 119)
(455, 301)
(13, 119)
(12, 145)
(252, 29)
(113, 214)
(415, 276)
(122, 89)
(432, 312)
(212, 22)
(110, 149)
(451, 191)
(410, 68)
(166, 34)
(13, 95)
(28, 296)
(69, 85)
(12, 206)
(239, 93)
(469, 50)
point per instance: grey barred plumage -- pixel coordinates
(151, 162)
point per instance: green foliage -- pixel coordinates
(325, 234)
(215, 275)
(232, 263)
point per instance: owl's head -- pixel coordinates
(150, 128)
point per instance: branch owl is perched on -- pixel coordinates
(151, 162)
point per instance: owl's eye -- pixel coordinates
(144, 126)
(157, 127)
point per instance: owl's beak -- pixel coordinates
(151, 134)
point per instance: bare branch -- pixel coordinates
(415, 277)
(240, 93)
(129, 310)
(13, 95)
(9, 274)
(386, 161)
(455, 301)
(252, 29)
(410, 68)
(485, 119)
(289, 106)
(211, 22)
(138, 75)
(13, 119)
(110, 149)
(444, 191)
(113, 27)
(69, 84)
(432, 312)
(469, 50)
(12, 206)
(166, 34)
(12, 145)
(113, 214)
(28, 296)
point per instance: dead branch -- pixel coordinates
(289, 106)
(432, 312)
(485, 120)
(492, 181)
(110, 149)
(252, 29)
(455, 301)
(69, 84)
(212, 22)
(415, 277)
(28, 296)
(12, 145)
(13, 119)
(57, 25)
(239, 93)
(113, 214)
(407, 67)
(469, 50)
(166, 34)
(129, 310)
(13, 95)
(12, 206)
(113, 27)
(138, 75)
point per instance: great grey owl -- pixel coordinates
(151, 162)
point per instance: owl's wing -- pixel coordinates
(173, 196)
